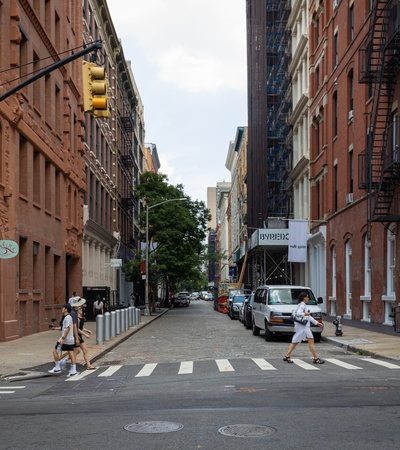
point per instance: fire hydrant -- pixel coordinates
(338, 323)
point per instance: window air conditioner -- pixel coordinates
(351, 115)
(349, 198)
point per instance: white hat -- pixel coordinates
(77, 301)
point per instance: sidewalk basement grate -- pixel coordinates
(153, 427)
(244, 431)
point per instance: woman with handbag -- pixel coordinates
(303, 330)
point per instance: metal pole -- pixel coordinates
(146, 294)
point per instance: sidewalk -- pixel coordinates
(30, 356)
(368, 339)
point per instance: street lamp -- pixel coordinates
(146, 293)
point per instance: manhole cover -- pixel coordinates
(153, 427)
(247, 430)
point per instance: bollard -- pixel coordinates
(126, 319)
(122, 320)
(107, 326)
(134, 317)
(118, 322)
(138, 316)
(100, 329)
(113, 323)
(130, 314)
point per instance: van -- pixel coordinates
(273, 305)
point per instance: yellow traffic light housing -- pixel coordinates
(95, 90)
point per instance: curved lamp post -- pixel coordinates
(146, 293)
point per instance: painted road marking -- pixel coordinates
(382, 363)
(263, 365)
(185, 367)
(224, 365)
(337, 362)
(146, 370)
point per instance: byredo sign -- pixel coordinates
(273, 237)
(270, 236)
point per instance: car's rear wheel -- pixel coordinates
(248, 324)
(256, 330)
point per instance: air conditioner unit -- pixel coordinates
(349, 198)
(351, 115)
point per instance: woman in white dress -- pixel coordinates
(303, 332)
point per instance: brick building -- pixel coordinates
(354, 158)
(42, 176)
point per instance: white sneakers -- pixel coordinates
(72, 374)
(55, 370)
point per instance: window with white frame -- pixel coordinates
(367, 267)
(332, 297)
(391, 262)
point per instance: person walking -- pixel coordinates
(84, 332)
(98, 307)
(66, 343)
(303, 332)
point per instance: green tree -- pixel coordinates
(176, 229)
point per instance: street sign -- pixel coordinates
(116, 262)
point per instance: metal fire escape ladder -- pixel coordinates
(380, 181)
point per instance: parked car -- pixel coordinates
(235, 304)
(182, 299)
(241, 310)
(273, 306)
(247, 317)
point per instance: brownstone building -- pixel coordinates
(42, 176)
(354, 161)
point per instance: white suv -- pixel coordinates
(273, 306)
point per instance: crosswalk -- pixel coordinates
(8, 390)
(225, 366)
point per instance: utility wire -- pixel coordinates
(39, 60)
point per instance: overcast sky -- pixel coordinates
(189, 62)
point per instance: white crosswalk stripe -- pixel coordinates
(382, 363)
(304, 365)
(263, 365)
(147, 370)
(110, 371)
(185, 367)
(81, 375)
(10, 390)
(339, 363)
(224, 365)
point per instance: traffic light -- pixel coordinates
(95, 90)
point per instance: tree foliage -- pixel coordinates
(176, 229)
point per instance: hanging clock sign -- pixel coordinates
(8, 249)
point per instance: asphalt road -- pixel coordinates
(194, 379)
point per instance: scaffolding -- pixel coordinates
(269, 191)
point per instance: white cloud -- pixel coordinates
(196, 46)
(189, 61)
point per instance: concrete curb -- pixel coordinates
(353, 349)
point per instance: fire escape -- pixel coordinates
(379, 164)
(127, 164)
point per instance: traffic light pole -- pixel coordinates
(95, 46)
